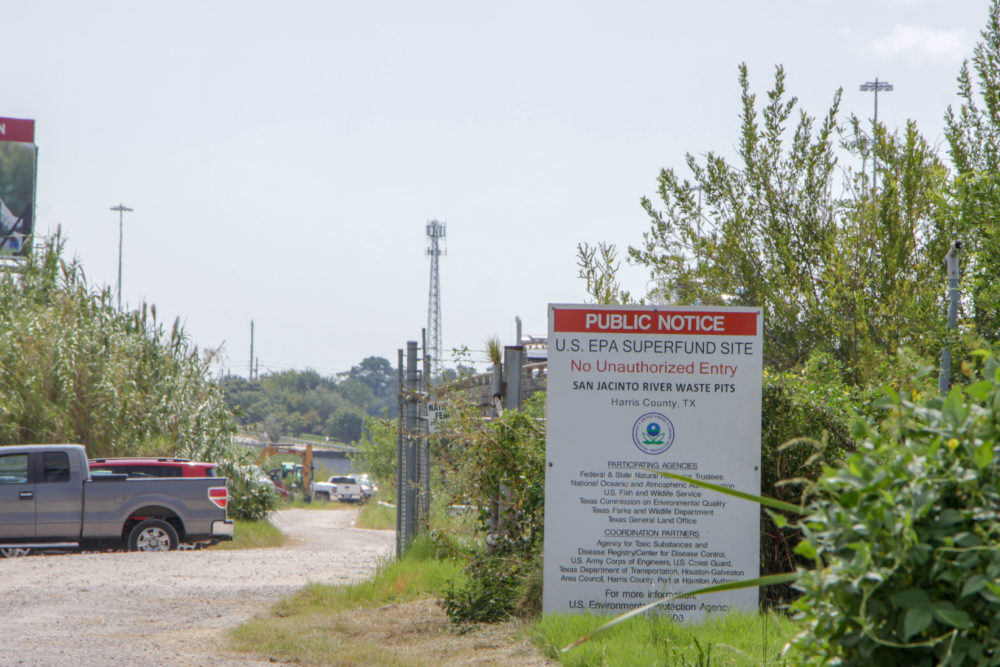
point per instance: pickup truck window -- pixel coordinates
(55, 467)
(14, 469)
(137, 470)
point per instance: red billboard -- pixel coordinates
(17, 129)
(18, 163)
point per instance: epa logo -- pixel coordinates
(653, 433)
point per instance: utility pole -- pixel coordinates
(875, 86)
(121, 208)
(951, 263)
(251, 349)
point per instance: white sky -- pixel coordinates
(283, 157)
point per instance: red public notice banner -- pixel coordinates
(17, 129)
(687, 322)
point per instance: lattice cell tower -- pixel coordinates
(435, 248)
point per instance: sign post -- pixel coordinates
(632, 391)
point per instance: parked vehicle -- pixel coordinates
(15, 552)
(50, 499)
(302, 472)
(368, 487)
(279, 483)
(344, 488)
(153, 467)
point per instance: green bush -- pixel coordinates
(805, 423)
(249, 499)
(904, 538)
(491, 592)
(499, 467)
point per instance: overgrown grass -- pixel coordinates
(420, 573)
(734, 639)
(253, 535)
(301, 627)
(376, 516)
(324, 624)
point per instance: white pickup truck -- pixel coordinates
(344, 488)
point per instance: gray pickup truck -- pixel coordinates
(48, 499)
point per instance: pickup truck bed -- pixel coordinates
(48, 498)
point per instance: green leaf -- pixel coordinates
(917, 619)
(779, 519)
(911, 597)
(954, 406)
(949, 517)
(979, 390)
(983, 455)
(946, 613)
(806, 550)
(762, 500)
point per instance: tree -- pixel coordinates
(890, 284)
(973, 133)
(377, 373)
(358, 393)
(376, 452)
(346, 424)
(599, 270)
(296, 402)
(852, 276)
(764, 234)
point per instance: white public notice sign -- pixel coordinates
(633, 390)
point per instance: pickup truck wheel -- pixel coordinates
(323, 495)
(152, 535)
(14, 552)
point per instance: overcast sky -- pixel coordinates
(283, 158)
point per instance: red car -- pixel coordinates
(153, 467)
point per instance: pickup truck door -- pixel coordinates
(58, 497)
(17, 497)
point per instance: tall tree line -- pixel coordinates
(293, 403)
(795, 225)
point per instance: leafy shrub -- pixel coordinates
(491, 592)
(904, 538)
(499, 467)
(249, 499)
(805, 423)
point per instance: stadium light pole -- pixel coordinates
(874, 87)
(121, 208)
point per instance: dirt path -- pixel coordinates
(170, 608)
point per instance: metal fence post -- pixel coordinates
(951, 262)
(513, 362)
(424, 456)
(412, 387)
(402, 539)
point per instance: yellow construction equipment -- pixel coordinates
(304, 452)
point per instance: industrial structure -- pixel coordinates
(435, 248)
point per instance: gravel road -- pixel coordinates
(171, 608)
